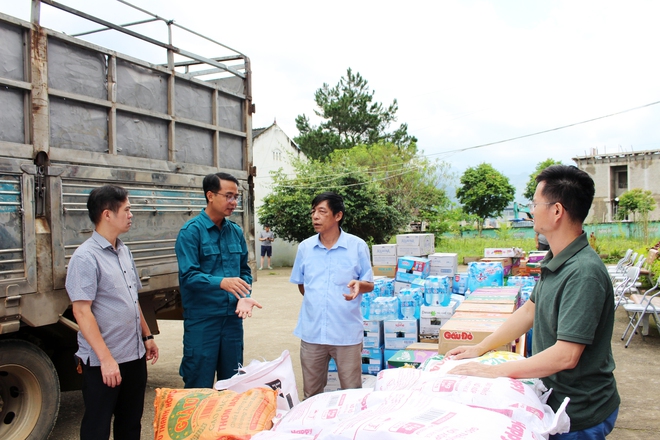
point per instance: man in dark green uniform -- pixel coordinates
(571, 310)
(215, 282)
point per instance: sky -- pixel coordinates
(464, 73)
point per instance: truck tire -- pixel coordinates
(29, 391)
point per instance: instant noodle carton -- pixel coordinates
(470, 328)
(484, 307)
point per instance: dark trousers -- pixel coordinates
(212, 344)
(125, 402)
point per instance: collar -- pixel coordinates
(105, 244)
(555, 262)
(208, 223)
(342, 241)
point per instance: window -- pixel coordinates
(622, 178)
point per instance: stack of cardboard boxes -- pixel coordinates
(412, 263)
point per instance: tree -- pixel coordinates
(413, 185)
(530, 188)
(485, 192)
(350, 118)
(637, 202)
(368, 215)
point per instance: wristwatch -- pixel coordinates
(146, 338)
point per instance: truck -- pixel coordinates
(75, 116)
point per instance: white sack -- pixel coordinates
(276, 374)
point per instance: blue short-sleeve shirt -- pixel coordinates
(325, 316)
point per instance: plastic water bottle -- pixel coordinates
(365, 306)
(444, 292)
(433, 297)
(407, 304)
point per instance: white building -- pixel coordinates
(272, 150)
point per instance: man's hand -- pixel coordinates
(110, 373)
(236, 286)
(463, 352)
(245, 306)
(354, 289)
(152, 350)
(475, 369)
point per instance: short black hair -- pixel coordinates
(570, 186)
(212, 182)
(105, 197)
(335, 203)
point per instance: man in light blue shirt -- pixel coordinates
(332, 269)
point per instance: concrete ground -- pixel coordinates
(269, 332)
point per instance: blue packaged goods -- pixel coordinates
(438, 292)
(459, 283)
(484, 274)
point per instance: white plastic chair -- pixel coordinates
(640, 313)
(626, 287)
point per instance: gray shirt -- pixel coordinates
(269, 235)
(109, 279)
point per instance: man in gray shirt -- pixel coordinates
(114, 341)
(266, 237)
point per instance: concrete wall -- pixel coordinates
(273, 150)
(643, 169)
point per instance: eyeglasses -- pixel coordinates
(230, 197)
(532, 205)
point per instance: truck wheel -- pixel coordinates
(29, 391)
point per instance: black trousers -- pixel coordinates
(125, 402)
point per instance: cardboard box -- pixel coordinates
(426, 240)
(431, 320)
(536, 256)
(438, 311)
(507, 263)
(470, 329)
(410, 357)
(372, 360)
(443, 264)
(483, 307)
(409, 268)
(500, 295)
(385, 260)
(373, 334)
(503, 252)
(412, 251)
(383, 250)
(398, 285)
(399, 333)
(442, 271)
(444, 259)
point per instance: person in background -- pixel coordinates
(332, 269)
(114, 341)
(215, 283)
(541, 242)
(266, 238)
(571, 310)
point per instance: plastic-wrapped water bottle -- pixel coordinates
(444, 291)
(365, 306)
(407, 304)
(433, 295)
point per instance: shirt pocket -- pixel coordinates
(343, 274)
(233, 259)
(210, 254)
